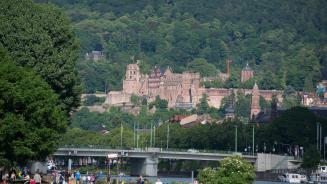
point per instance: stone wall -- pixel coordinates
(117, 97)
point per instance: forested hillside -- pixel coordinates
(283, 41)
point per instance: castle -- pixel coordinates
(181, 90)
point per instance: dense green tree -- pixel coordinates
(159, 103)
(93, 100)
(76, 136)
(31, 115)
(298, 125)
(203, 105)
(282, 51)
(308, 85)
(136, 100)
(232, 170)
(203, 67)
(243, 105)
(39, 37)
(100, 76)
(311, 158)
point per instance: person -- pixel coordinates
(27, 177)
(92, 179)
(6, 178)
(158, 181)
(13, 175)
(32, 181)
(84, 179)
(140, 180)
(195, 182)
(88, 179)
(78, 177)
(108, 179)
(54, 181)
(61, 178)
(37, 178)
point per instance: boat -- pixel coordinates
(319, 176)
(290, 178)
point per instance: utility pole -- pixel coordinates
(137, 135)
(168, 136)
(317, 135)
(154, 135)
(151, 136)
(235, 138)
(121, 135)
(134, 135)
(325, 148)
(320, 135)
(253, 140)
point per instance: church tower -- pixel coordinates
(255, 103)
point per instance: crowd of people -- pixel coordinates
(24, 176)
(65, 177)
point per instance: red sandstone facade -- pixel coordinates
(180, 90)
(247, 73)
(255, 102)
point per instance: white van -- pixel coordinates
(290, 178)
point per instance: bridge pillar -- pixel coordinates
(69, 167)
(144, 166)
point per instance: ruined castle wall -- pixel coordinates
(267, 94)
(215, 96)
(131, 86)
(170, 88)
(117, 97)
(143, 91)
(190, 86)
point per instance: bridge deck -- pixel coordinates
(151, 152)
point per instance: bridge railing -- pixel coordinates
(154, 149)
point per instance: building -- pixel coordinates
(255, 102)
(181, 90)
(315, 99)
(94, 56)
(246, 73)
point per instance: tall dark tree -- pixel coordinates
(311, 158)
(39, 37)
(31, 115)
(296, 126)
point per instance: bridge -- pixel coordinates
(145, 161)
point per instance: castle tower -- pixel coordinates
(247, 73)
(131, 84)
(255, 103)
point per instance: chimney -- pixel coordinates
(228, 61)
